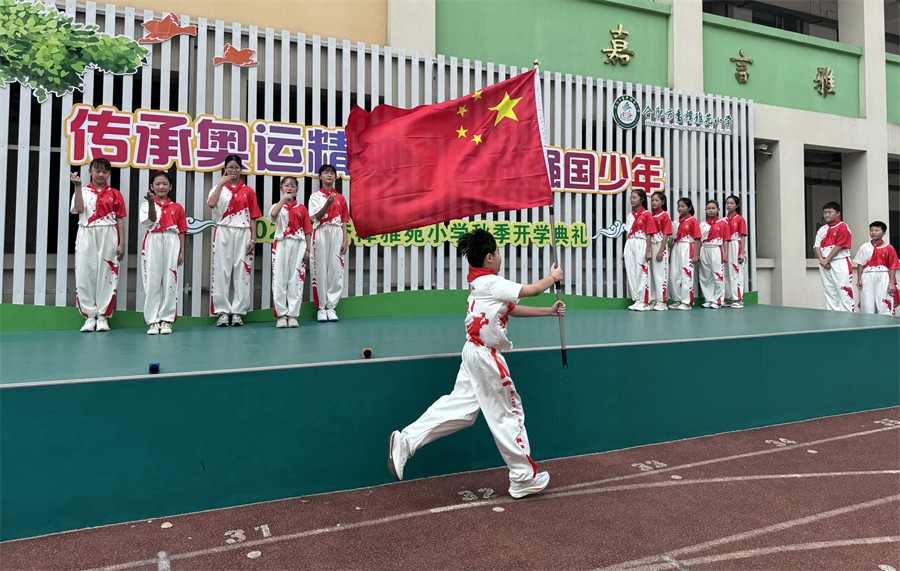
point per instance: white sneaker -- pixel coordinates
(321, 316)
(102, 325)
(331, 315)
(634, 305)
(154, 329)
(292, 322)
(165, 328)
(737, 305)
(682, 306)
(90, 324)
(223, 320)
(236, 320)
(282, 323)
(660, 306)
(714, 306)
(398, 454)
(706, 304)
(528, 487)
(641, 306)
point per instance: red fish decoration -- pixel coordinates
(234, 56)
(159, 31)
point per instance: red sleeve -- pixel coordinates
(180, 220)
(650, 223)
(695, 231)
(893, 262)
(345, 211)
(844, 238)
(120, 205)
(667, 225)
(304, 220)
(742, 226)
(253, 206)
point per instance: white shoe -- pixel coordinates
(165, 328)
(222, 321)
(331, 315)
(528, 487)
(102, 325)
(682, 306)
(634, 305)
(660, 306)
(714, 306)
(282, 323)
(292, 322)
(398, 454)
(90, 324)
(321, 316)
(737, 305)
(706, 304)
(154, 329)
(641, 306)
(236, 321)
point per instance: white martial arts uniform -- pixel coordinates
(231, 266)
(638, 226)
(327, 260)
(659, 270)
(96, 264)
(681, 287)
(877, 261)
(837, 281)
(734, 273)
(159, 259)
(483, 382)
(712, 260)
(288, 265)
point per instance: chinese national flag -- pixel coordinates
(480, 153)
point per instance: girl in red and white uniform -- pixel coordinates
(99, 245)
(640, 227)
(330, 214)
(685, 253)
(235, 210)
(289, 254)
(877, 267)
(735, 253)
(162, 253)
(713, 232)
(832, 248)
(659, 261)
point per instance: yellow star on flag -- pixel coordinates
(461, 132)
(462, 111)
(476, 95)
(505, 110)
(476, 139)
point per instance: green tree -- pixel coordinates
(47, 51)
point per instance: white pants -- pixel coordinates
(231, 270)
(712, 273)
(637, 269)
(327, 266)
(159, 270)
(682, 277)
(96, 270)
(483, 383)
(659, 276)
(874, 297)
(288, 275)
(734, 273)
(838, 285)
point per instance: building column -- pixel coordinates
(412, 26)
(686, 45)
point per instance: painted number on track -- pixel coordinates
(239, 535)
(649, 465)
(781, 442)
(469, 496)
(888, 422)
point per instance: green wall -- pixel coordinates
(784, 66)
(565, 35)
(892, 71)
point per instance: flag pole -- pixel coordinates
(557, 287)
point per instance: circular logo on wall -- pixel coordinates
(626, 111)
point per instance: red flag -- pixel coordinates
(480, 153)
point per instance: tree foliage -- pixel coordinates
(47, 51)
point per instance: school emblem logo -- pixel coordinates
(626, 112)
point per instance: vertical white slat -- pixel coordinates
(360, 253)
(429, 252)
(440, 96)
(331, 87)
(709, 156)
(731, 157)
(415, 252)
(664, 149)
(375, 93)
(454, 93)
(579, 199)
(620, 200)
(610, 215)
(748, 196)
(143, 174)
(43, 192)
(198, 260)
(400, 101)
(586, 215)
(459, 276)
(268, 61)
(693, 151)
(184, 71)
(564, 213)
(4, 153)
(346, 67)
(316, 80)
(22, 190)
(541, 264)
(301, 80)
(720, 172)
(387, 88)
(595, 246)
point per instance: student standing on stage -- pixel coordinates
(483, 382)
(640, 227)
(877, 267)
(162, 253)
(235, 210)
(713, 231)
(330, 214)
(735, 253)
(289, 254)
(99, 245)
(685, 253)
(659, 261)
(832, 248)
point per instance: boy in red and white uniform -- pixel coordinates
(685, 252)
(832, 248)
(235, 211)
(483, 382)
(289, 254)
(640, 228)
(99, 245)
(659, 261)
(330, 214)
(162, 253)
(713, 232)
(877, 267)
(735, 252)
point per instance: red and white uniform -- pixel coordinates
(96, 264)
(659, 270)
(288, 265)
(159, 259)
(231, 266)
(686, 230)
(483, 382)
(877, 261)
(712, 260)
(638, 225)
(327, 261)
(837, 281)
(734, 274)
